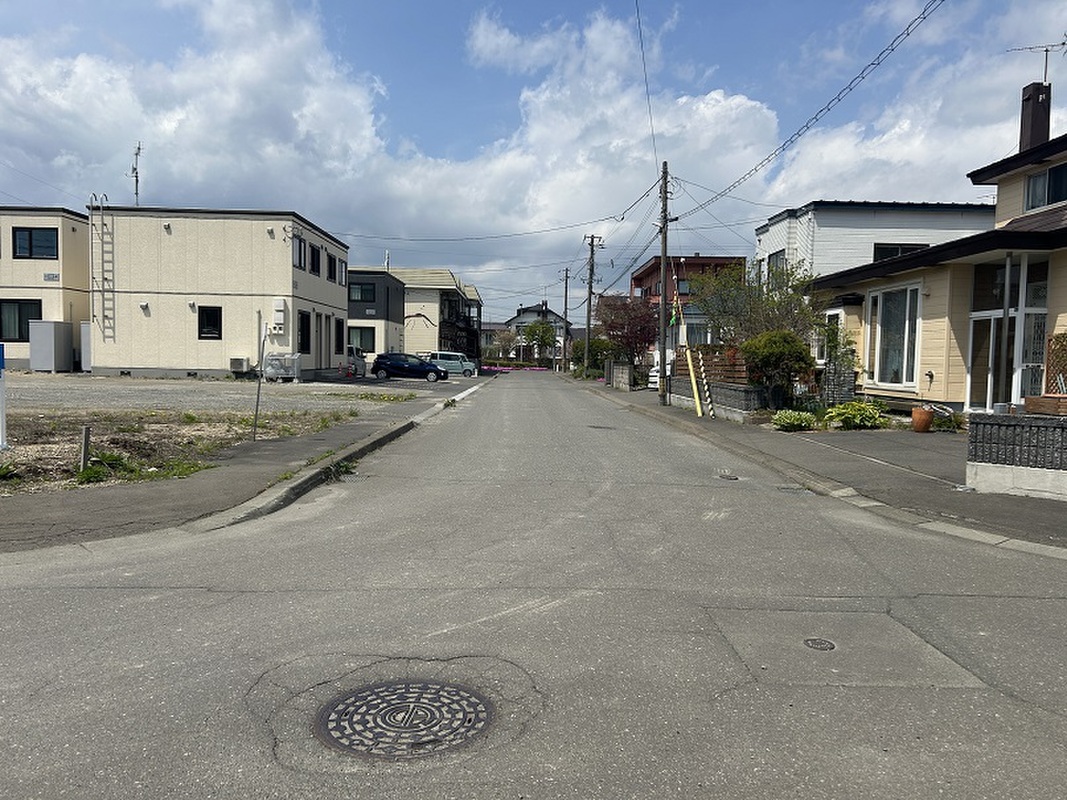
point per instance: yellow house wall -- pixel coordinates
(1010, 198)
(420, 335)
(944, 299)
(176, 262)
(1057, 292)
(64, 296)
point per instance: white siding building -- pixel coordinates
(828, 236)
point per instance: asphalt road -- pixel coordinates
(643, 615)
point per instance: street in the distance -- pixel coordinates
(632, 612)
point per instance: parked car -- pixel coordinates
(455, 363)
(355, 363)
(405, 365)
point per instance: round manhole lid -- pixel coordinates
(402, 720)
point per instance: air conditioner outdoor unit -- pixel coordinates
(239, 364)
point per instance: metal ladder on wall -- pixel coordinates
(102, 267)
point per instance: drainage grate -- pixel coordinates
(823, 645)
(794, 490)
(404, 720)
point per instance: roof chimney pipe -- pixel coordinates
(1036, 113)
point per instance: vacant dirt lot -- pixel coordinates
(143, 429)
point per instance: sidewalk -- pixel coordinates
(909, 477)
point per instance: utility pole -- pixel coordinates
(663, 221)
(594, 242)
(563, 349)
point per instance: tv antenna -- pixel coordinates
(1047, 48)
(136, 175)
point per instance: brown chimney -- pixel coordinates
(1037, 110)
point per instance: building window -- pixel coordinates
(331, 267)
(892, 330)
(683, 287)
(362, 339)
(342, 271)
(884, 251)
(829, 333)
(1046, 188)
(299, 253)
(209, 322)
(35, 242)
(776, 269)
(361, 292)
(339, 336)
(316, 260)
(15, 316)
(303, 332)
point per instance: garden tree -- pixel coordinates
(739, 309)
(630, 324)
(775, 359)
(504, 343)
(542, 336)
(600, 350)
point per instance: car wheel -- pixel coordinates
(467, 373)
(431, 377)
(381, 374)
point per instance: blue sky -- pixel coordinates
(490, 137)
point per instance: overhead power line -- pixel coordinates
(921, 17)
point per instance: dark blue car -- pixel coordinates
(405, 365)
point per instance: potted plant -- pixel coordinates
(922, 418)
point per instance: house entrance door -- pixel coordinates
(989, 377)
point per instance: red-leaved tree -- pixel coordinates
(630, 324)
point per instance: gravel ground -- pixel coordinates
(151, 428)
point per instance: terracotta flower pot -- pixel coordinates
(922, 419)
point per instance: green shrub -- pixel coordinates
(856, 415)
(788, 420)
(775, 359)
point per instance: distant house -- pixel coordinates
(375, 310)
(967, 321)
(645, 284)
(44, 275)
(540, 312)
(827, 236)
(178, 291)
(489, 330)
(440, 312)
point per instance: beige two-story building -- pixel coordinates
(183, 292)
(44, 275)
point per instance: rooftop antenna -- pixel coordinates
(1047, 48)
(136, 175)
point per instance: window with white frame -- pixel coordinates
(1046, 187)
(833, 328)
(892, 335)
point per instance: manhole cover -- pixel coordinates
(402, 720)
(824, 645)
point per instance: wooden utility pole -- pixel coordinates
(663, 220)
(594, 242)
(563, 349)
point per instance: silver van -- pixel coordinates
(455, 363)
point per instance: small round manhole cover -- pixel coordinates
(402, 720)
(824, 645)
